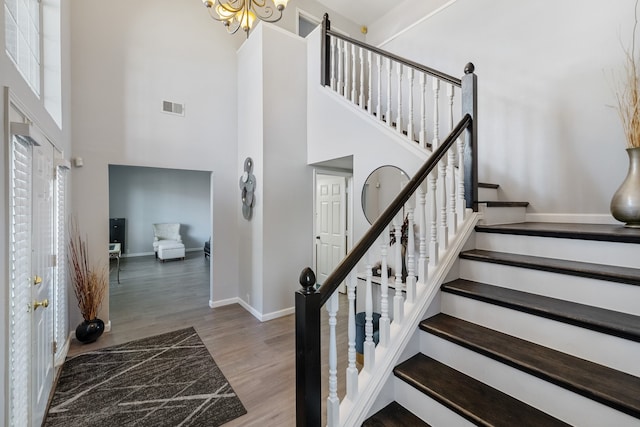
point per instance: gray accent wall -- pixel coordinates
(145, 195)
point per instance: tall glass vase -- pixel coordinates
(625, 205)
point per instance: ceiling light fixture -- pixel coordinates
(236, 14)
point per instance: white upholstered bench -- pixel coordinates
(170, 249)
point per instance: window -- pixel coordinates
(22, 38)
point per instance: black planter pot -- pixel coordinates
(89, 330)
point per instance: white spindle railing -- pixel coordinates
(387, 89)
(434, 208)
(418, 246)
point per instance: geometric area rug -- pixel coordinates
(164, 380)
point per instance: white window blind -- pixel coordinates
(22, 38)
(60, 321)
(20, 281)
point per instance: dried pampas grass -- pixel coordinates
(629, 94)
(88, 283)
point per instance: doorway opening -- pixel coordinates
(139, 197)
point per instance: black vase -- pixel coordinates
(89, 330)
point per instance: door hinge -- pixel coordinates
(55, 347)
(54, 260)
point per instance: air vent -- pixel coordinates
(173, 108)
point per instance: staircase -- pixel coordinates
(542, 328)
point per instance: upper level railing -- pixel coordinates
(421, 228)
(416, 101)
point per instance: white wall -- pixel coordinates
(547, 133)
(288, 181)
(34, 107)
(275, 244)
(144, 196)
(126, 58)
(337, 129)
(250, 144)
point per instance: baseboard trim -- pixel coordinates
(223, 302)
(571, 218)
(279, 313)
(62, 355)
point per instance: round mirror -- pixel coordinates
(380, 188)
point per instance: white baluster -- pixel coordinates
(352, 369)
(399, 119)
(388, 113)
(461, 202)
(443, 233)
(379, 95)
(411, 251)
(340, 53)
(333, 64)
(436, 114)
(451, 172)
(423, 110)
(369, 82)
(398, 301)
(384, 330)
(410, 118)
(433, 219)
(361, 99)
(354, 74)
(333, 402)
(347, 71)
(422, 222)
(369, 347)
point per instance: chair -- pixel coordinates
(167, 232)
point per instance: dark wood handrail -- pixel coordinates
(360, 249)
(326, 29)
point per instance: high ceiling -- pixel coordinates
(359, 11)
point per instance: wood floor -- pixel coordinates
(258, 358)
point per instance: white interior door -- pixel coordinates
(42, 252)
(331, 233)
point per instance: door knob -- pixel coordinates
(44, 304)
(37, 280)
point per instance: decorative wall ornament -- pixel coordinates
(247, 187)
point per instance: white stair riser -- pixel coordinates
(598, 293)
(426, 408)
(617, 353)
(487, 194)
(610, 253)
(555, 401)
(502, 215)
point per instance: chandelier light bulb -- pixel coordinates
(280, 4)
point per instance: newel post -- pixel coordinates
(325, 52)
(308, 401)
(470, 106)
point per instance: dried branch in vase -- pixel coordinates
(629, 94)
(89, 284)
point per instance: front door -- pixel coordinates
(331, 203)
(42, 252)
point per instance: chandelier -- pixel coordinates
(236, 14)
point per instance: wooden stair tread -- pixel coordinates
(601, 232)
(610, 387)
(473, 400)
(394, 415)
(610, 273)
(610, 322)
(504, 204)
